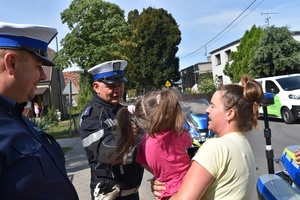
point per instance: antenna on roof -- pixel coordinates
(268, 18)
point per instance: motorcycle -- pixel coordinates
(285, 183)
(197, 121)
(198, 127)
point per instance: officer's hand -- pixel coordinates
(108, 196)
(156, 187)
(131, 108)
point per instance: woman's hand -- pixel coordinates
(157, 186)
(297, 155)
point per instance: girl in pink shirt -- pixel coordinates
(162, 150)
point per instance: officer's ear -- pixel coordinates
(10, 60)
(96, 86)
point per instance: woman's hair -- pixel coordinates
(245, 100)
(158, 111)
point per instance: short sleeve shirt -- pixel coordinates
(229, 159)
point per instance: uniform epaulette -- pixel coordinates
(87, 112)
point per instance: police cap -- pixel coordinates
(29, 37)
(110, 72)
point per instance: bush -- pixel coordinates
(40, 123)
(207, 84)
(51, 117)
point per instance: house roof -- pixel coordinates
(40, 90)
(226, 46)
(48, 72)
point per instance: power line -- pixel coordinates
(204, 46)
(238, 21)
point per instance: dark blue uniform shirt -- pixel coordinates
(98, 132)
(32, 164)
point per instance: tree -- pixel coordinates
(245, 51)
(156, 37)
(278, 53)
(98, 33)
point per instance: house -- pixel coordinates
(72, 76)
(49, 92)
(190, 75)
(220, 56)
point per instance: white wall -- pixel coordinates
(217, 69)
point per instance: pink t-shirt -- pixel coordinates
(167, 157)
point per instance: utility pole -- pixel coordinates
(268, 18)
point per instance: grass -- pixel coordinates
(62, 129)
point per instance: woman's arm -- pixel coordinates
(297, 155)
(195, 183)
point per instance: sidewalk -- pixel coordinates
(79, 172)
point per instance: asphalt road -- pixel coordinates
(282, 135)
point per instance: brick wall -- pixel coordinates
(74, 77)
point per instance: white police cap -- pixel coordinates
(29, 37)
(109, 72)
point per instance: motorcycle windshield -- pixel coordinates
(196, 106)
(197, 118)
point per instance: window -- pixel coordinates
(227, 55)
(271, 87)
(220, 80)
(218, 59)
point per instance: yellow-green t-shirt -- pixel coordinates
(229, 159)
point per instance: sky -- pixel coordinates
(205, 25)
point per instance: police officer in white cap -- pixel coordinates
(32, 164)
(99, 136)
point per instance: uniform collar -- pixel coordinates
(11, 106)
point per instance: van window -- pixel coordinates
(289, 83)
(271, 87)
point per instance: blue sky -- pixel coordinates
(204, 25)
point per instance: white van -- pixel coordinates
(286, 90)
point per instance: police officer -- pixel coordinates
(32, 164)
(99, 135)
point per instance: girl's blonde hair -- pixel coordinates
(155, 112)
(158, 111)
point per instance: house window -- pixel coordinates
(220, 80)
(218, 59)
(227, 55)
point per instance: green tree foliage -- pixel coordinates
(278, 53)
(245, 51)
(156, 37)
(207, 84)
(98, 33)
